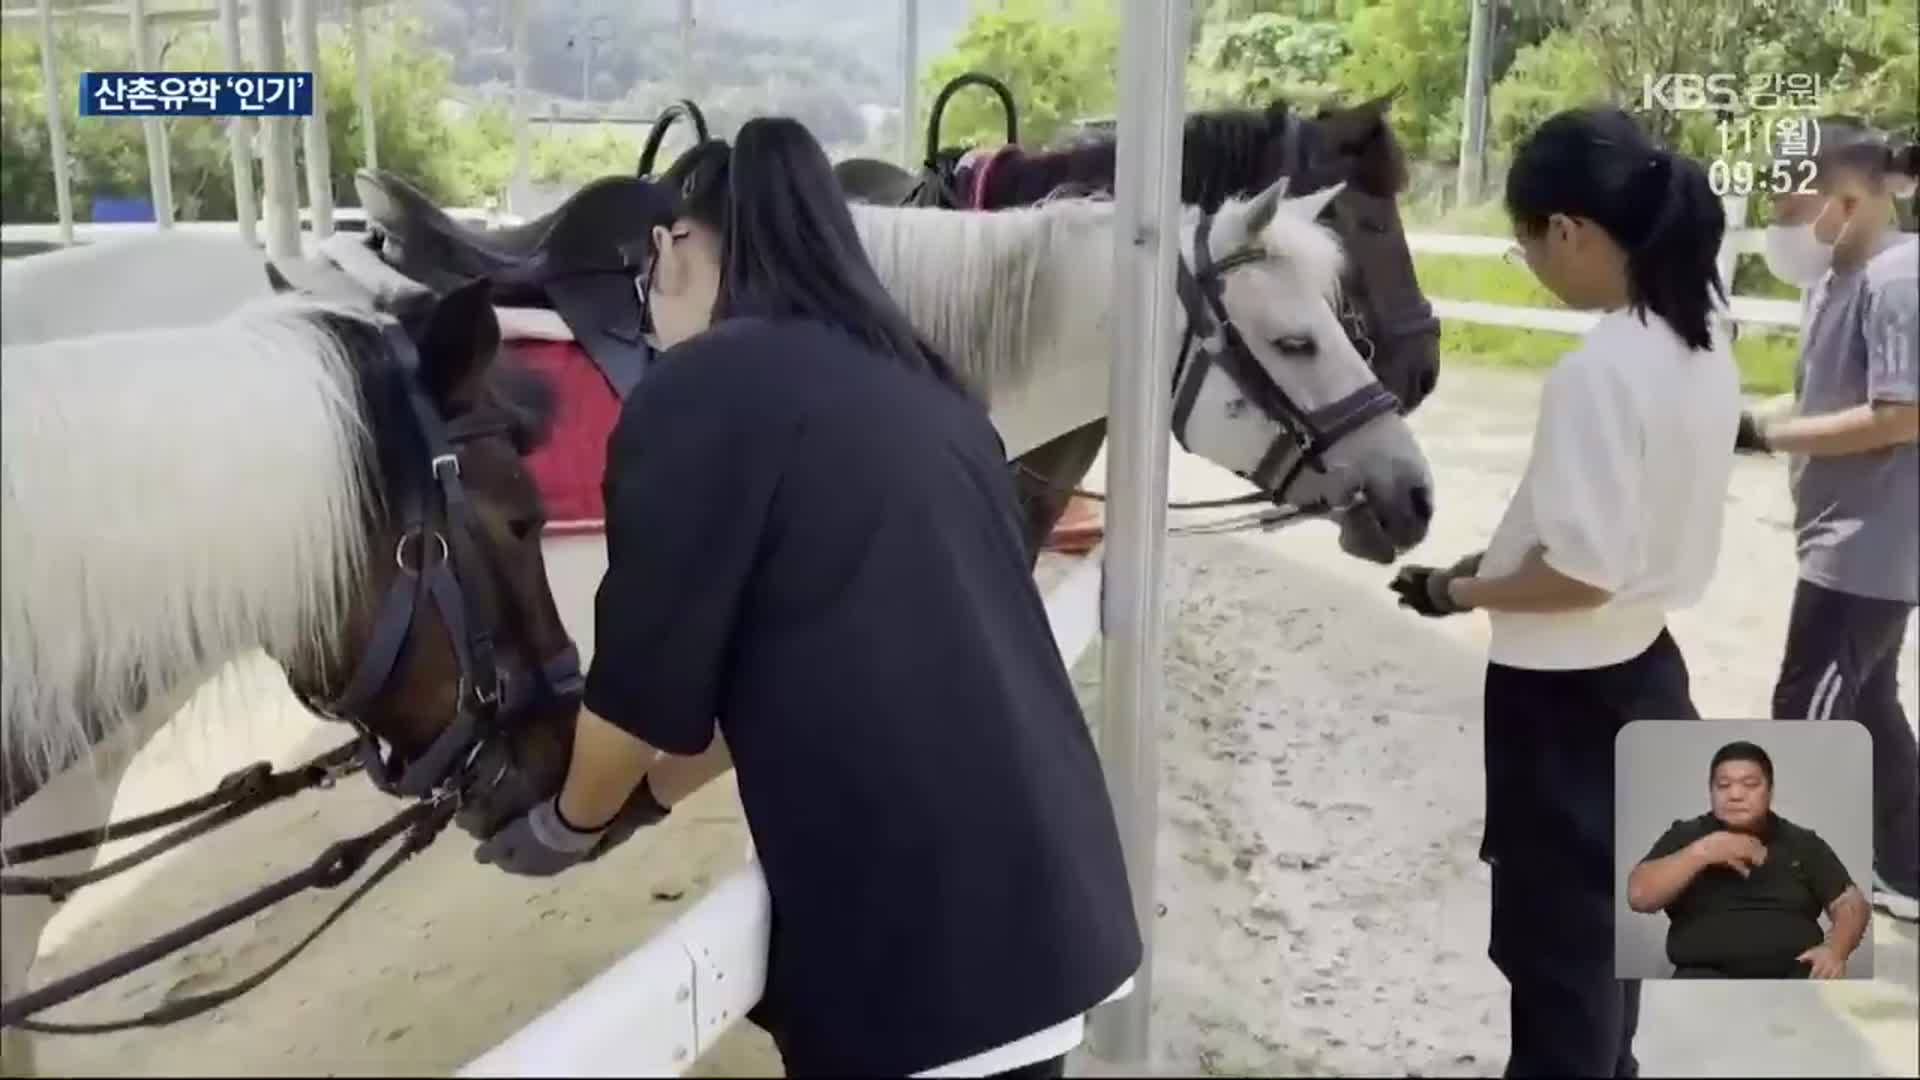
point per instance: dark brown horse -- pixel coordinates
(340, 488)
(1226, 153)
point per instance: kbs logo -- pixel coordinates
(1683, 92)
(1723, 92)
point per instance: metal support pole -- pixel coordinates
(282, 202)
(56, 124)
(1473, 134)
(306, 43)
(239, 130)
(159, 159)
(910, 85)
(363, 86)
(522, 134)
(687, 88)
(1147, 321)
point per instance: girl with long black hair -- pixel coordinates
(1616, 522)
(814, 546)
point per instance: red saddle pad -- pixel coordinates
(568, 468)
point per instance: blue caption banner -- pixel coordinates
(196, 93)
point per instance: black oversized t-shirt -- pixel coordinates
(821, 550)
(1755, 925)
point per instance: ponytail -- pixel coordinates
(1673, 267)
(789, 248)
(1596, 163)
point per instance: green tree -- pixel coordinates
(452, 162)
(1253, 60)
(1419, 46)
(1557, 74)
(1060, 68)
(1865, 61)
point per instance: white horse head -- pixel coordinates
(1021, 302)
(1344, 436)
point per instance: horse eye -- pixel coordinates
(1373, 226)
(523, 527)
(1295, 345)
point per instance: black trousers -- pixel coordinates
(1549, 841)
(1842, 662)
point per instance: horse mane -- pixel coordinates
(172, 498)
(984, 287)
(997, 292)
(1225, 153)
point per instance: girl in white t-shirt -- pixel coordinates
(1616, 522)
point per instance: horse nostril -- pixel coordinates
(1421, 499)
(1428, 380)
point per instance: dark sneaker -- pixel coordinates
(1899, 903)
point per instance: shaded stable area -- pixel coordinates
(1324, 910)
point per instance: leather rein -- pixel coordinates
(452, 565)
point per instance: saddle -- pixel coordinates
(579, 260)
(950, 178)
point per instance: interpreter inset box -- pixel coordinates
(1743, 849)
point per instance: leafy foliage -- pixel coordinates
(1420, 45)
(1264, 56)
(1059, 67)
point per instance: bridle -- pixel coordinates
(453, 563)
(452, 569)
(1212, 340)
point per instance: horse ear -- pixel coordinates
(461, 338)
(277, 281)
(1308, 207)
(1261, 210)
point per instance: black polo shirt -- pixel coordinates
(823, 550)
(1754, 926)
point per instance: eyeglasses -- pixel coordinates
(643, 281)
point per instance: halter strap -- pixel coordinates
(1304, 436)
(455, 572)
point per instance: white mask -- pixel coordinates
(1795, 255)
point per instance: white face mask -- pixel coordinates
(1795, 255)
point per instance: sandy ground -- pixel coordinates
(1324, 911)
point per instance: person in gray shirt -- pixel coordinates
(1854, 441)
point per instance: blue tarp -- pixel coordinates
(111, 208)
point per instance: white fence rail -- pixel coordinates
(345, 219)
(1761, 313)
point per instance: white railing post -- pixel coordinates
(517, 188)
(306, 43)
(1729, 259)
(685, 72)
(1147, 239)
(363, 86)
(56, 125)
(239, 130)
(910, 150)
(282, 201)
(159, 156)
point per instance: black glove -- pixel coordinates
(641, 810)
(1425, 588)
(1749, 438)
(541, 843)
